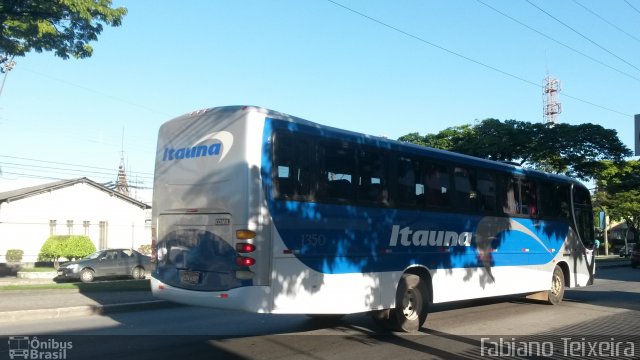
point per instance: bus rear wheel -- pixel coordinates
(556, 293)
(412, 304)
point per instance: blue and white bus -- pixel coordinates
(261, 211)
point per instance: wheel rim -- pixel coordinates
(86, 276)
(411, 304)
(137, 273)
(556, 285)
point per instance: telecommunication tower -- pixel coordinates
(122, 185)
(551, 103)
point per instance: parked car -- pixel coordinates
(112, 262)
(625, 251)
(635, 256)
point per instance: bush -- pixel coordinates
(68, 246)
(14, 255)
(77, 246)
(51, 249)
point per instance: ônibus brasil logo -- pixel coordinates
(221, 146)
(26, 347)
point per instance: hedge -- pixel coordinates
(14, 255)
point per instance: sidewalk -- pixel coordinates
(22, 305)
(607, 261)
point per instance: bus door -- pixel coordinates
(582, 256)
(195, 251)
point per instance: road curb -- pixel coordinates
(84, 310)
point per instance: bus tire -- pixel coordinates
(412, 304)
(556, 293)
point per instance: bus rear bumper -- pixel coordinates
(255, 299)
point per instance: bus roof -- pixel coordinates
(381, 142)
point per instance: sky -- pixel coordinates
(385, 68)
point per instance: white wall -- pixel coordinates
(24, 223)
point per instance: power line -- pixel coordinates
(466, 57)
(65, 170)
(34, 176)
(98, 92)
(141, 174)
(433, 44)
(631, 6)
(557, 41)
(607, 21)
(583, 36)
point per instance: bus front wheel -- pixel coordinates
(412, 304)
(556, 293)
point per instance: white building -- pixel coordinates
(80, 206)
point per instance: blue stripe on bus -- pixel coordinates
(346, 239)
(338, 239)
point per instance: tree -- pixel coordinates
(65, 246)
(575, 150)
(63, 26)
(619, 193)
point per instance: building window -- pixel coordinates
(52, 227)
(102, 238)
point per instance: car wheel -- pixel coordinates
(138, 273)
(556, 293)
(87, 275)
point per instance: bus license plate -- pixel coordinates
(190, 277)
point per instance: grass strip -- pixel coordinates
(98, 286)
(37, 269)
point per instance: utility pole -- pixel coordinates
(606, 237)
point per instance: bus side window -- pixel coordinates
(410, 189)
(292, 178)
(464, 189)
(337, 165)
(437, 185)
(554, 201)
(529, 198)
(511, 203)
(372, 178)
(487, 200)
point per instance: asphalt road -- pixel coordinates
(606, 313)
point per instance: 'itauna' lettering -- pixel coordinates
(191, 152)
(407, 237)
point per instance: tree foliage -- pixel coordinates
(575, 150)
(63, 26)
(619, 192)
(70, 247)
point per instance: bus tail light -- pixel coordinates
(245, 234)
(245, 248)
(245, 261)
